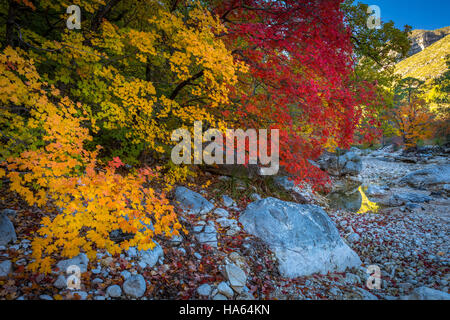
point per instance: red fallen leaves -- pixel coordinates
(19, 269)
(207, 247)
(124, 264)
(267, 288)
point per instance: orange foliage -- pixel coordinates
(413, 122)
(91, 201)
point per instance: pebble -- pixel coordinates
(197, 255)
(61, 282)
(225, 289)
(125, 274)
(135, 286)
(204, 290)
(114, 291)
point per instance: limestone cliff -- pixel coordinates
(421, 39)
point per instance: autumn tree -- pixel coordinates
(411, 116)
(92, 199)
(300, 77)
(76, 103)
(376, 51)
(144, 68)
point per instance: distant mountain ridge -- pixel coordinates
(428, 62)
(421, 39)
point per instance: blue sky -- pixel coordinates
(420, 14)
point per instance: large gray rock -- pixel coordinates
(7, 232)
(434, 177)
(192, 202)
(81, 261)
(135, 286)
(10, 213)
(303, 237)
(374, 190)
(424, 293)
(236, 276)
(407, 197)
(5, 268)
(147, 258)
(348, 163)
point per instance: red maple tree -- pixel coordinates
(301, 77)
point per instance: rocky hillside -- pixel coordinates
(421, 39)
(428, 63)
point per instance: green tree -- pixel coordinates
(376, 51)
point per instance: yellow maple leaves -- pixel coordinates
(92, 202)
(126, 84)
